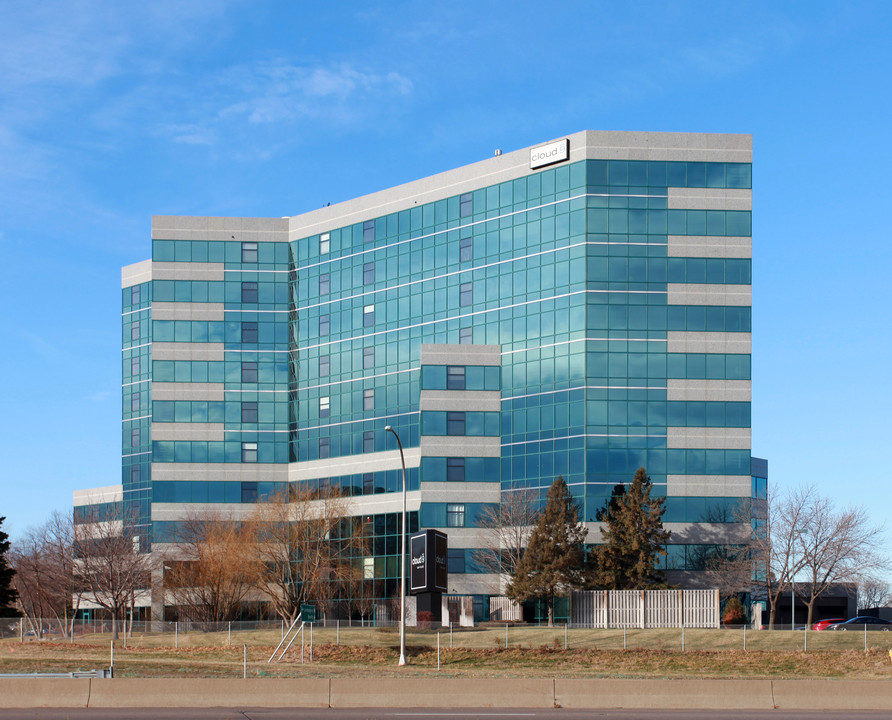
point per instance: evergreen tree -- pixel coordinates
(553, 560)
(633, 538)
(8, 594)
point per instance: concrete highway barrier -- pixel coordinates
(663, 693)
(442, 692)
(341, 692)
(210, 692)
(44, 692)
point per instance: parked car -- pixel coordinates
(824, 624)
(861, 622)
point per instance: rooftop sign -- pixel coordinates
(555, 152)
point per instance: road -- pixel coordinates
(426, 714)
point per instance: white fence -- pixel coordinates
(645, 608)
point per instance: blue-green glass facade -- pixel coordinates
(614, 295)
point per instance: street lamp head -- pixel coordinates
(387, 428)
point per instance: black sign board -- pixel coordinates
(428, 562)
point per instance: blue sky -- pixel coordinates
(111, 112)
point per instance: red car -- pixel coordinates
(823, 624)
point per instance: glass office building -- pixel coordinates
(579, 308)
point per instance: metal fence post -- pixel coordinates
(338, 634)
(506, 636)
(450, 634)
(245, 662)
(682, 638)
(624, 638)
(438, 647)
(744, 638)
(565, 635)
(176, 634)
(230, 633)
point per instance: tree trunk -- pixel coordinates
(811, 612)
(114, 624)
(771, 615)
(551, 610)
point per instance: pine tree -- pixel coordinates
(553, 560)
(8, 594)
(633, 538)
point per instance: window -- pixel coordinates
(455, 423)
(324, 324)
(456, 560)
(368, 358)
(368, 316)
(324, 406)
(324, 283)
(134, 438)
(368, 231)
(455, 515)
(134, 365)
(249, 492)
(466, 294)
(249, 452)
(455, 378)
(324, 243)
(466, 336)
(368, 441)
(249, 292)
(249, 252)
(324, 365)
(134, 474)
(249, 332)
(134, 402)
(466, 250)
(324, 447)
(455, 469)
(368, 483)
(135, 295)
(466, 204)
(368, 273)
(249, 372)
(249, 412)
(134, 331)
(368, 399)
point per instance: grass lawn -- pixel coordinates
(474, 652)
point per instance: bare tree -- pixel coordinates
(212, 568)
(109, 565)
(506, 529)
(873, 593)
(307, 543)
(836, 546)
(45, 578)
(776, 525)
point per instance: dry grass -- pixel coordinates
(475, 653)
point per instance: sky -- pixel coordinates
(111, 112)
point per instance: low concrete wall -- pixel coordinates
(663, 693)
(833, 694)
(44, 692)
(442, 692)
(209, 692)
(341, 692)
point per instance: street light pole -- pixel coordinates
(402, 555)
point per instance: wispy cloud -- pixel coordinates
(286, 92)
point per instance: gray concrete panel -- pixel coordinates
(698, 246)
(709, 438)
(709, 390)
(716, 529)
(135, 274)
(709, 485)
(460, 446)
(187, 391)
(184, 227)
(710, 199)
(709, 294)
(187, 311)
(187, 271)
(709, 342)
(471, 400)
(229, 472)
(468, 354)
(187, 351)
(478, 492)
(91, 496)
(200, 432)
(353, 464)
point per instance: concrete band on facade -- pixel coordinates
(540, 295)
